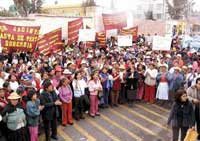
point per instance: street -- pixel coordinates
(141, 122)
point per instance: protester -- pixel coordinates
(131, 85)
(15, 118)
(49, 100)
(106, 85)
(94, 88)
(163, 83)
(194, 96)
(150, 83)
(79, 86)
(33, 109)
(65, 94)
(176, 82)
(181, 115)
(116, 87)
(3, 103)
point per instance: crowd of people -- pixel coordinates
(38, 90)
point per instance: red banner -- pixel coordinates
(73, 30)
(18, 38)
(50, 42)
(131, 31)
(114, 21)
(101, 37)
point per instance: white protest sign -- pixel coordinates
(111, 33)
(162, 43)
(125, 40)
(87, 35)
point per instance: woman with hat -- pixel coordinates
(163, 83)
(176, 82)
(14, 115)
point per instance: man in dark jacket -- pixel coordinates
(50, 101)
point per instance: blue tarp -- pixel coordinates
(193, 41)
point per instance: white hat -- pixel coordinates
(163, 65)
(177, 68)
(148, 53)
(179, 55)
(190, 66)
(89, 56)
(148, 57)
(66, 71)
(168, 56)
(13, 96)
(83, 62)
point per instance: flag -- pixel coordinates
(50, 42)
(73, 30)
(131, 31)
(114, 21)
(18, 38)
(101, 37)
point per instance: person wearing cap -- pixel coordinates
(176, 82)
(56, 79)
(179, 60)
(150, 83)
(15, 118)
(163, 83)
(65, 94)
(50, 101)
(33, 109)
(190, 76)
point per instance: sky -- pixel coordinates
(122, 3)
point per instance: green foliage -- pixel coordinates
(25, 7)
(6, 13)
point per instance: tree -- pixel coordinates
(25, 7)
(22, 7)
(179, 8)
(5, 13)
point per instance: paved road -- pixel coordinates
(142, 122)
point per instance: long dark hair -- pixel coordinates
(178, 95)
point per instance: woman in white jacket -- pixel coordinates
(150, 83)
(79, 86)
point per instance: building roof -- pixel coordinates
(62, 6)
